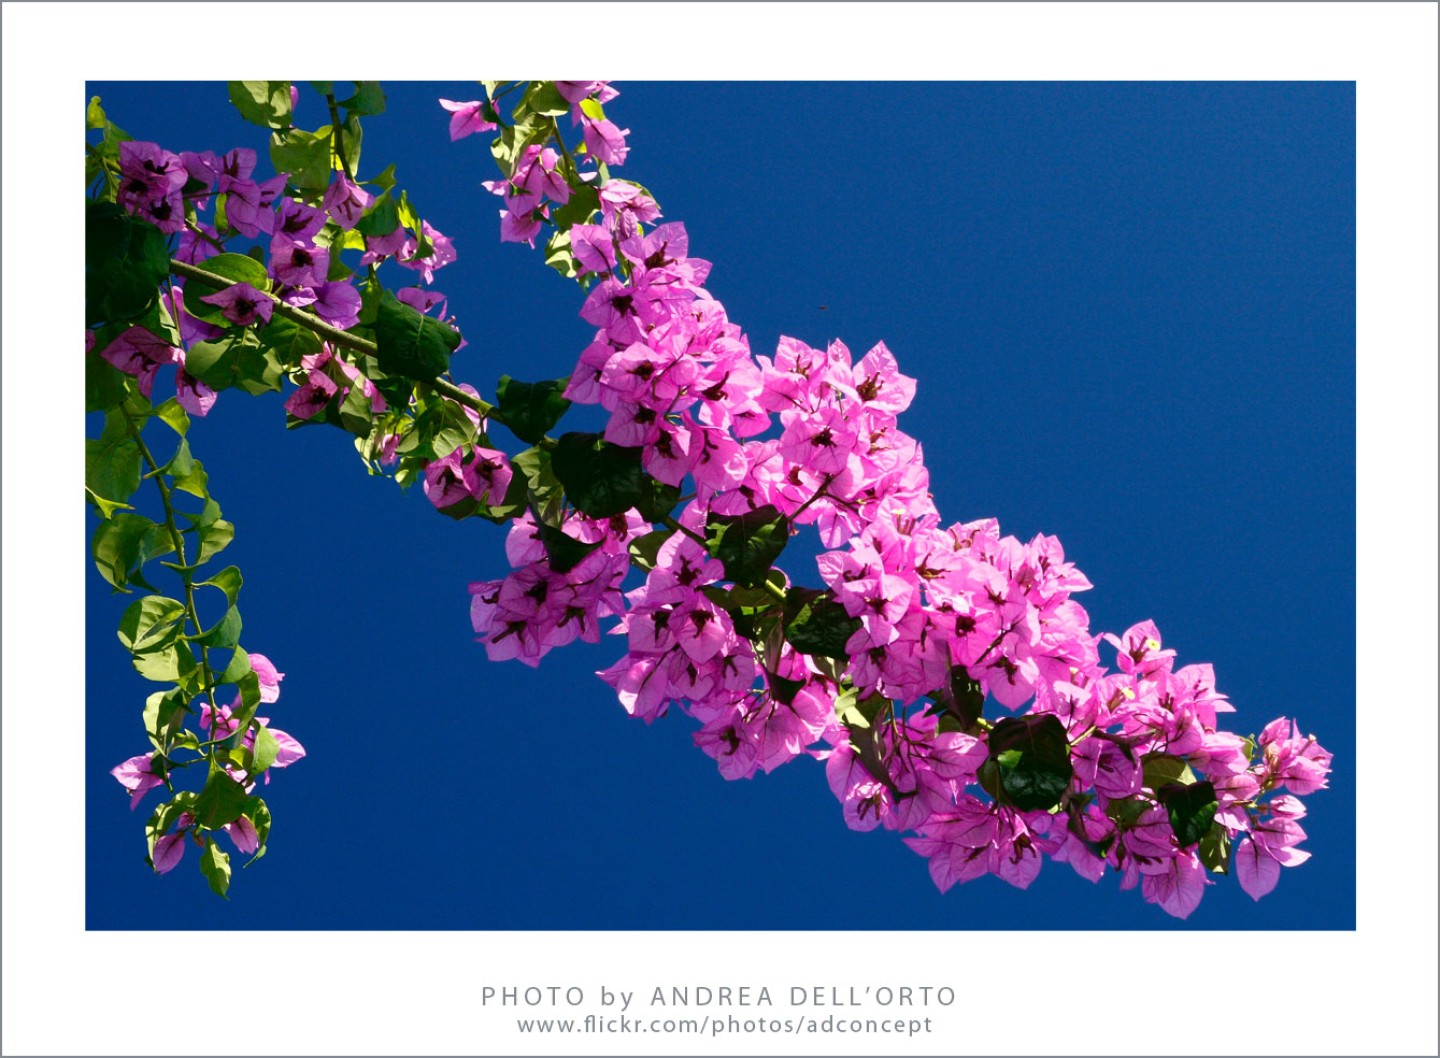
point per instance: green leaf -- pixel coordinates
(222, 801)
(592, 108)
(188, 473)
(645, 549)
(213, 538)
(544, 98)
(530, 409)
(1191, 809)
(122, 544)
(1214, 849)
(584, 201)
(541, 486)
(381, 217)
(560, 256)
(289, 341)
(215, 866)
(151, 623)
(106, 386)
(168, 665)
(227, 580)
(107, 507)
(816, 624)
(304, 155)
(601, 479)
(238, 668)
(855, 713)
(266, 750)
(112, 467)
(410, 344)
(263, 103)
(1161, 769)
(351, 135)
(126, 260)
(163, 710)
(224, 634)
(384, 181)
(369, 98)
(1033, 756)
(748, 544)
(174, 416)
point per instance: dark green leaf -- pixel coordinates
(961, 701)
(238, 668)
(1191, 809)
(601, 479)
(215, 866)
(563, 551)
(106, 386)
(816, 624)
(1033, 756)
(584, 201)
(410, 344)
(748, 544)
(126, 260)
(222, 801)
(150, 623)
(783, 690)
(530, 409)
(384, 181)
(263, 103)
(657, 500)
(368, 99)
(225, 633)
(381, 217)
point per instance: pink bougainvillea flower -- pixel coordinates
(138, 775)
(243, 833)
(168, 850)
(242, 304)
(270, 677)
(466, 118)
(345, 201)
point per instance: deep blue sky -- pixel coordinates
(1130, 308)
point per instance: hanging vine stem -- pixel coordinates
(177, 540)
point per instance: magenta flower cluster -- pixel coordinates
(814, 435)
